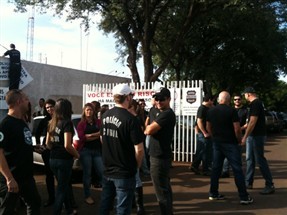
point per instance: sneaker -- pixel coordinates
(268, 190)
(249, 186)
(217, 197)
(247, 201)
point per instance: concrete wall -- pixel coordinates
(59, 82)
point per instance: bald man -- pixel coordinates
(223, 125)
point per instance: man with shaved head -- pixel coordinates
(223, 125)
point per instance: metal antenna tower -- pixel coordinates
(30, 35)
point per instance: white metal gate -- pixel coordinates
(186, 97)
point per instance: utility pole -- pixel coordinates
(30, 35)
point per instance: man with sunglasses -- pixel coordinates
(242, 115)
(161, 130)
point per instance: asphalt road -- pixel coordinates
(190, 191)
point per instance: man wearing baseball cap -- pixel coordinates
(122, 152)
(254, 137)
(161, 130)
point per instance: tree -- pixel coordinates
(217, 41)
(234, 47)
(276, 97)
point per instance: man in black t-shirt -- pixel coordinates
(204, 145)
(255, 136)
(14, 72)
(223, 125)
(161, 130)
(16, 158)
(242, 115)
(122, 151)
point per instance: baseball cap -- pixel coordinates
(163, 92)
(122, 89)
(248, 90)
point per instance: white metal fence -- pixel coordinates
(186, 97)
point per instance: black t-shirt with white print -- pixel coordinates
(58, 150)
(120, 131)
(16, 141)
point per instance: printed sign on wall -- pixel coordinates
(3, 91)
(4, 67)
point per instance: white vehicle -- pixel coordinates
(38, 157)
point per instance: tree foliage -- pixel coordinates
(228, 43)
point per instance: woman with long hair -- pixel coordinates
(59, 141)
(91, 151)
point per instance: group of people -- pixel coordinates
(223, 130)
(111, 142)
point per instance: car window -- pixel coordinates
(76, 121)
(36, 123)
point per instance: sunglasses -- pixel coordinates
(237, 99)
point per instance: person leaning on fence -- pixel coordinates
(122, 151)
(15, 68)
(161, 134)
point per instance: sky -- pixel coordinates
(61, 43)
(58, 42)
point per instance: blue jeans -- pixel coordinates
(89, 158)
(123, 189)
(62, 170)
(27, 191)
(232, 152)
(255, 153)
(138, 179)
(203, 152)
(225, 167)
(159, 172)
